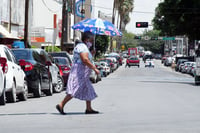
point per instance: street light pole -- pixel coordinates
(26, 23)
(64, 37)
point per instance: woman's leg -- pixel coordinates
(88, 106)
(65, 100)
(89, 109)
(60, 106)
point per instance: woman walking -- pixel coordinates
(79, 85)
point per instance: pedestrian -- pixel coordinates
(127, 63)
(79, 85)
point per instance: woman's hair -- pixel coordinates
(87, 35)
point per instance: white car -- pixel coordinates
(2, 83)
(114, 60)
(94, 78)
(16, 85)
(105, 68)
(149, 63)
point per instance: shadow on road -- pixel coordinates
(18, 114)
(172, 82)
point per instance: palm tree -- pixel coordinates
(124, 10)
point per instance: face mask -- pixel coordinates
(89, 44)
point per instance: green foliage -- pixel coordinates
(52, 48)
(180, 17)
(33, 46)
(128, 40)
(101, 44)
(156, 46)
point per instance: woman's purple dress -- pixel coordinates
(79, 84)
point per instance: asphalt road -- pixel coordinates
(130, 100)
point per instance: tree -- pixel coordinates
(101, 44)
(155, 45)
(179, 17)
(128, 40)
(124, 8)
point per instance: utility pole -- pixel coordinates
(10, 17)
(64, 38)
(26, 24)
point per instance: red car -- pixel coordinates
(64, 66)
(133, 61)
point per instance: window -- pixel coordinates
(8, 55)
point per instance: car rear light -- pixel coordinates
(4, 68)
(60, 69)
(4, 65)
(66, 70)
(22, 62)
(111, 64)
(28, 66)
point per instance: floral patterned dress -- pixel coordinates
(79, 84)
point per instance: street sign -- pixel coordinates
(168, 38)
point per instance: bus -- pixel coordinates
(132, 51)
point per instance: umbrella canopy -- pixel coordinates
(97, 26)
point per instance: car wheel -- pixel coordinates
(59, 86)
(49, 92)
(197, 80)
(24, 95)
(38, 91)
(105, 74)
(3, 98)
(11, 95)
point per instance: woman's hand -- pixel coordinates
(97, 71)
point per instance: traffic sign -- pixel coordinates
(168, 38)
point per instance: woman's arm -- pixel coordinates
(86, 61)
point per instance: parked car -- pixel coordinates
(193, 69)
(95, 77)
(2, 84)
(110, 64)
(36, 65)
(188, 67)
(62, 54)
(117, 56)
(164, 58)
(15, 83)
(64, 65)
(99, 67)
(179, 64)
(105, 68)
(57, 79)
(185, 66)
(115, 62)
(158, 56)
(168, 61)
(133, 61)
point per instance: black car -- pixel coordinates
(36, 63)
(62, 54)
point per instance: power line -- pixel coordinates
(50, 8)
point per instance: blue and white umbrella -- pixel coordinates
(97, 27)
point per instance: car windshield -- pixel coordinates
(61, 61)
(21, 54)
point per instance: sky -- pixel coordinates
(143, 11)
